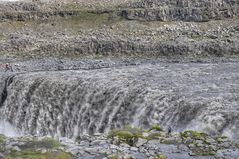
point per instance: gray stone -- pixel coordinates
(16, 148)
(134, 149)
(96, 142)
(182, 147)
(74, 150)
(92, 150)
(227, 153)
(210, 140)
(141, 142)
(191, 146)
(84, 143)
(138, 156)
(225, 145)
(113, 147)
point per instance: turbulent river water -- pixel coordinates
(70, 103)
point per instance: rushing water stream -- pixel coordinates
(70, 103)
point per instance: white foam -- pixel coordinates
(8, 130)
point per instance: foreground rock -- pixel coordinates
(128, 143)
(32, 148)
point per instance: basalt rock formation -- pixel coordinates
(151, 10)
(185, 10)
(68, 30)
(22, 11)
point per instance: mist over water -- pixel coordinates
(8, 130)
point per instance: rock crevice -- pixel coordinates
(4, 92)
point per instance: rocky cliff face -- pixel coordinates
(186, 10)
(37, 29)
(177, 40)
(22, 11)
(151, 10)
(71, 98)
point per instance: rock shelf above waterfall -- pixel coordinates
(172, 29)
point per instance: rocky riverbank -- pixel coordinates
(127, 143)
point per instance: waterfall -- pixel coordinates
(72, 103)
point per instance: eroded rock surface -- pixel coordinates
(136, 29)
(185, 10)
(154, 144)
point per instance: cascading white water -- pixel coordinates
(8, 130)
(70, 103)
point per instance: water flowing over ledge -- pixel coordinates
(71, 103)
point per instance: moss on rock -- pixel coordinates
(35, 143)
(194, 135)
(155, 127)
(127, 135)
(153, 136)
(2, 142)
(38, 155)
(160, 156)
(2, 139)
(124, 136)
(36, 148)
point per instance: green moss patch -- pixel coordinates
(2, 139)
(153, 136)
(127, 135)
(1, 37)
(204, 152)
(194, 135)
(155, 127)
(160, 156)
(2, 142)
(199, 141)
(38, 155)
(33, 143)
(114, 157)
